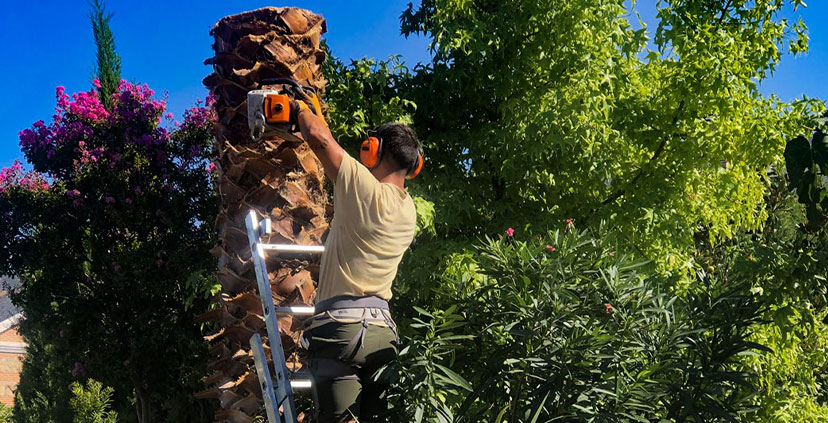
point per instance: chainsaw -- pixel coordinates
(273, 112)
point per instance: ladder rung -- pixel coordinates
(294, 248)
(301, 384)
(297, 310)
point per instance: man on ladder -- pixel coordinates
(352, 334)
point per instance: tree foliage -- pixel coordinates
(108, 70)
(533, 110)
(110, 253)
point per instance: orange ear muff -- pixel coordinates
(370, 152)
(415, 170)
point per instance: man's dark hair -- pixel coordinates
(399, 142)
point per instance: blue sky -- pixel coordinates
(163, 44)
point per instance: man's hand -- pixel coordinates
(316, 133)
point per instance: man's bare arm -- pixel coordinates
(321, 141)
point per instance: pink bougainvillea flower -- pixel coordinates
(15, 176)
(550, 248)
(109, 200)
(73, 193)
(211, 168)
(128, 200)
(510, 232)
(97, 83)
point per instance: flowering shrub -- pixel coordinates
(14, 176)
(107, 234)
(522, 332)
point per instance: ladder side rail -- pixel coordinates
(284, 391)
(265, 381)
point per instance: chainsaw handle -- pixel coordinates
(300, 89)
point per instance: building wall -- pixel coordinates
(11, 364)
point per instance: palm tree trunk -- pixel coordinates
(279, 179)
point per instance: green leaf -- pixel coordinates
(454, 377)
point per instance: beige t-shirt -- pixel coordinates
(372, 227)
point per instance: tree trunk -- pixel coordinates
(278, 179)
(143, 407)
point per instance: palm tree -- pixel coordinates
(279, 179)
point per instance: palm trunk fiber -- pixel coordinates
(279, 179)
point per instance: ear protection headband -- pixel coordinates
(370, 154)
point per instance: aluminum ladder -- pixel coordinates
(277, 391)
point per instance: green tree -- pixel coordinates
(534, 112)
(108, 72)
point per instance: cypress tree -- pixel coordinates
(109, 63)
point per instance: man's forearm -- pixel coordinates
(321, 142)
(314, 130)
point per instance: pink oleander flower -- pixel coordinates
(211, 168)
(126, 362)
(510, 232)
(137, 190)
(109, 200)
(550, 248)
(570, 222)
(612, 254)
(116, 267)
(73, 193)
(608, 308)
(78, 370)
(128, 200)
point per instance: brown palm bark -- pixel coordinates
(279, 179)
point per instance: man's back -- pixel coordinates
(372, 227)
